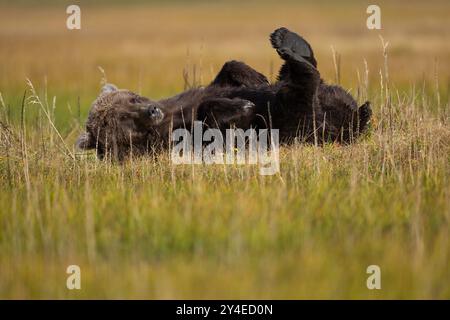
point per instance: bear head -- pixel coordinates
(120, 122)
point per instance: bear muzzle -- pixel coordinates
(155, 114)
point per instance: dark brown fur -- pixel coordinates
(299, 104)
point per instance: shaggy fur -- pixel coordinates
(299, 104)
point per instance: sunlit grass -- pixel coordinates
(149, 229)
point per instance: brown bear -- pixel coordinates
(300, 104)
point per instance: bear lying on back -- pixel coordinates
(299, 104)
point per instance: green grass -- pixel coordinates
(149, 229)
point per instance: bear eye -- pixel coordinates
(134, 100)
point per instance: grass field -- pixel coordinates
(149, 229)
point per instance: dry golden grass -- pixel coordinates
(146, 48)
(149, 229)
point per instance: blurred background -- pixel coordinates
(146, 45)
(147, 230)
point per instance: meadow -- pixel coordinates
(149, 229)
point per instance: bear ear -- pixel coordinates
(85, 141)
(108, 88)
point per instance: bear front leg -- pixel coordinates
(238, 74)
(223, 113)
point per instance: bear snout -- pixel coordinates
(155, 113)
